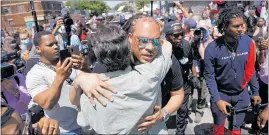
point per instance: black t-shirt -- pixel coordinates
(172, 81)
(185, 57)
(198, 58)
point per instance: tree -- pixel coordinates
(141, 3)
(68, 3)
(98, 6)
(125, 9)
(119, 5)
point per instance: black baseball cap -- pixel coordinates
(168, 27)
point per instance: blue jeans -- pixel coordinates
(73, 132)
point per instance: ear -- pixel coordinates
(38, 49)
(130, 39)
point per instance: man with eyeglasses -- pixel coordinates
(171, 86)
(229, 69)
(145, 45)
(183, 53)
(138, 86)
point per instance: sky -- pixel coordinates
(112, 3)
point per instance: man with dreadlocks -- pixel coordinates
(229, 69)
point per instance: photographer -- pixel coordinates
(59, 32)
(13, 123)
(13, 88)
(201, 40)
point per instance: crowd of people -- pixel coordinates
(129, 76)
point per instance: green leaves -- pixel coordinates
(99, 5)
(125, 9)
(141, 3)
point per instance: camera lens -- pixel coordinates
(69, 21)
(197, 32)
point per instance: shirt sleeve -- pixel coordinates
(209, 74)
(177, 82)
(36, 83)
(254, 85)
(189, 52)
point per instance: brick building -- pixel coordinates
(18, 14)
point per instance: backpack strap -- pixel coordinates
(17, 79)
(7, 114)
(3, 96)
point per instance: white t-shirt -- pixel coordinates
(39, 79)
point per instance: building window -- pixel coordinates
(7, 10)
(20, 8)
(11, 22)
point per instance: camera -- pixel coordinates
(67, 23)
(7, 70)
(13, 56)
(201, 33)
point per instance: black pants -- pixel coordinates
(263, 92)
(182, 113)
(202, 93)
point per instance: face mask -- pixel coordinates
(62, 29)
(26, 42)
(260, 24)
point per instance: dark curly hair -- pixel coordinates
(227, 14)
(111, 47)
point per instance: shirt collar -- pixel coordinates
(119, 72)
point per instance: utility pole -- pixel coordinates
(34, 15)
(151, 11)
(143, 6)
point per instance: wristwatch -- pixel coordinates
(166, 115)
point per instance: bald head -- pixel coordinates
(147, 27)
(128, 26)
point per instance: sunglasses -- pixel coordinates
(156, 41)
(176, 35)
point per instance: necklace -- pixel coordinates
(68, 80)
(232, 49)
